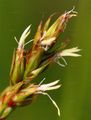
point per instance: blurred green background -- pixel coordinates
(74, 97)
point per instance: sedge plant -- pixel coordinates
(28, 64)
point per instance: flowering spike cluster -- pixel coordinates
(27, 65)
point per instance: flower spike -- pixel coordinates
(28, 64)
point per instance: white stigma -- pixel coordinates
(69, 52)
